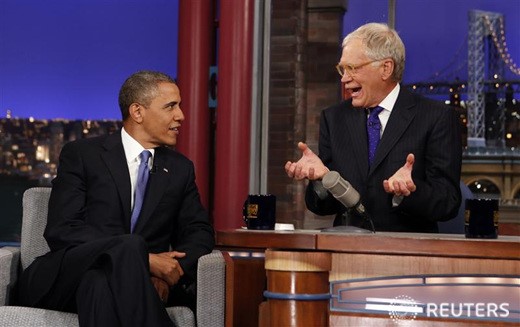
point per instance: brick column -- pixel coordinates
(324, 37)
(305, 46)
(287, 104)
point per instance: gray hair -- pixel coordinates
(381, 42)
(142, 88)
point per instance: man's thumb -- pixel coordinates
(410, 159)
(304, 148)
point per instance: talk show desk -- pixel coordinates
(292, 265)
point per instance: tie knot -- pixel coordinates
(375, 111)
(373, 117)
(145, 155)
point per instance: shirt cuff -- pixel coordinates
(396, 200)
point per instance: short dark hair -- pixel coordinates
(141, 87)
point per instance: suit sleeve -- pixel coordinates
(438, 192)
(195, 234)
(66, 224)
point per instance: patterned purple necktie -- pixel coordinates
(140, 187)
(374, 132)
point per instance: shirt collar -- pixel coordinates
(388, 103)
(132, 148)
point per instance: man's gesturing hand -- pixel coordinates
(309, 166)
(401, 183)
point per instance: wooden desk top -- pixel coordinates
(263, 239)
(444, 245)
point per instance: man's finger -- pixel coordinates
(304, 148)
(298, 172)
(311, 173)
(410, 159)
(397, 190)
(176, 254)
(411, 186)
(386, 186)
(403, 189)
(287, 166)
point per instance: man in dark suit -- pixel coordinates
(415, 131)
(110, 271)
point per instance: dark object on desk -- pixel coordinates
(259, 211)
(481, 218)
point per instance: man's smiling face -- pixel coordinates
(365, 83)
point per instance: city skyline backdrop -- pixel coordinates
(62, 59)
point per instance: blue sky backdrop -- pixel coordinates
(68, 59)
(435, 32)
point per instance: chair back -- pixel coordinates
(35, 205)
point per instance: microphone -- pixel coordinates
(343, 191)
(347, 196)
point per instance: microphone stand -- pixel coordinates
(350, 228)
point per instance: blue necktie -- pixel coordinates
(374, 132)
(140, 187)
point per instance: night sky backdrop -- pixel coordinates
(68, 59)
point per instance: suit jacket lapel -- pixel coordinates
(115, 159)
(356, 125)
(157, 184)
(401, 116)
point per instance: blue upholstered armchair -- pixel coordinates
(210, 278)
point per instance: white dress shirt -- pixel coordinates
(388, 105)
(132, 153)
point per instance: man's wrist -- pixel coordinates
(326, 170)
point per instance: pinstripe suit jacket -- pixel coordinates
(426, 128)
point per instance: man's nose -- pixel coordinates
(178, 115)
(346, 77)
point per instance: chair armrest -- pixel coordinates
(211, 290)
(9, 259)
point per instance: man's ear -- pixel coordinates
(136, 112)
(387, 69)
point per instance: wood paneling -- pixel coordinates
(353, 265)
(442, 245)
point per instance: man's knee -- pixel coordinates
(92, 281)
(127, 248)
